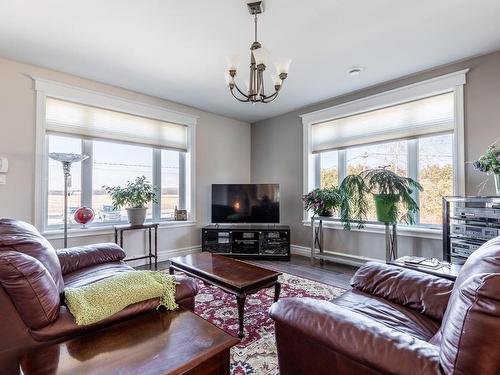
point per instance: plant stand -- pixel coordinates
(317, 240)
(391, 242)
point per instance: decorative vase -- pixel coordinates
(136, 215)
(326, 212)
(84, 216)
(497, 183)
(384, 205)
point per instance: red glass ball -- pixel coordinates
(84, 215)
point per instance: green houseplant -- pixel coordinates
(391, 192)
(489, 163)
(324, 201)
(343, 200)
(135, 196)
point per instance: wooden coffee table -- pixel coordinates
(232, 276)
(155, 343)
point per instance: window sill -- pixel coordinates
(107, 230)
(403, 230)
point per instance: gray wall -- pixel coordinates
(277, 154)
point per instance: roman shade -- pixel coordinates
(430, 115)
(63, 117)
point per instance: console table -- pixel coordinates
(119, 229)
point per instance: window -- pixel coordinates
(435, 173)
(114, 164)
(328, 165)
(111, 164)
(55, 180)
(433, 156)
(120, 147)
(413, 134)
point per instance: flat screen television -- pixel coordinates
(245, 203)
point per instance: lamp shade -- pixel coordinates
(233, 62)
(67, 158)
(260, 55)
(282, 65)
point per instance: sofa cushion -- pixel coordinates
(74, 258)
(22, 237)
(30, 287)
(427, 294)
(390, 314)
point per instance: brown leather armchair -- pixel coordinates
(32, 279)
(398, 321)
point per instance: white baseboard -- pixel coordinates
(349, 259)
(343, 258)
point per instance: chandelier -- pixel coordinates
(258, 60)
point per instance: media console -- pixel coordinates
(248, 241)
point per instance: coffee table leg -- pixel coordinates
(277, 290)
(241, 312)
(171, 270)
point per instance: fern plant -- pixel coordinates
(355, 206)
(392, 194)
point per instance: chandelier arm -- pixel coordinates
(238, 99)
(241, 92)
(270, 98)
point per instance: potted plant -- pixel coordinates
(135, 196)
(392, 195)
(324, 201)
(490, 164)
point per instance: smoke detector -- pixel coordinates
(355, 70)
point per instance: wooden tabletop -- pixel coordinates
(171, 343)
(229, 271)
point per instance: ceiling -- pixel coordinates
(176, 49)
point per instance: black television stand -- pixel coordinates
(257, 241)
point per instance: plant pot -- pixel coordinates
(327, 212)
(136, 215)
(385, 207)
(497, 183)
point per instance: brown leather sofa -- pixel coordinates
(398, 321)
(32, 279)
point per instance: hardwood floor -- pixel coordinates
(329, 273)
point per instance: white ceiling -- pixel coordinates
(176, 49)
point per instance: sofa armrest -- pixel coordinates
(74, 258)
(355, 336)
(419, 291)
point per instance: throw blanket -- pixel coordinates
(97, 301)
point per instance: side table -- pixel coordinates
(448, 271)
(119, 229)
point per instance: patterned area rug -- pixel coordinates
(256, 353)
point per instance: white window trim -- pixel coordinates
(46, 88)
(452, 82)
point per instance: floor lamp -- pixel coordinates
(66, 160)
